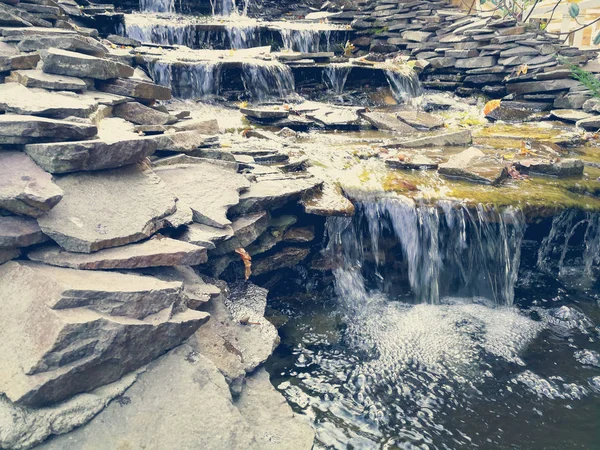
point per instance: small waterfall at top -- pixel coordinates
(190, 81)
(163, 6)
(228, 7)
(404, 84)
(446, 250)
(161, 34)
(335, 76)
(269, 79)
(572, 246)
(305, 40)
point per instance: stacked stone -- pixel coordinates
(109, 206)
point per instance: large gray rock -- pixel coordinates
(206, 236)
(569, 167)
(155, 252)
(275, 191)
(16, 231)
(442, 139)
(16, 98)
(185, 142)
(246, 230)
(6, 254)
(64, 62)
(19, 129)
(108, 209)
(131, 87)
(287, 257)
(39, 79)
(328, 201)
(65, 157)
(387, 122)
(18, 34)
(75, 43)
(535, 87)
(142, 115)
(209, 190)
(24, 187)
(473, 165)
(420, 120)
(65, 331)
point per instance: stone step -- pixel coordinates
(23, 129)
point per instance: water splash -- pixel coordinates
(161, 34)
(335, 77)
(404, 83)
(229, 7)
(447, 250)
(167, 6)
(306, 40)
(192, 81)
(268, 79)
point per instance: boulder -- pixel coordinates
(65, 157)
(473, 165)
(16, 231)
(64, 62)
(131, 87)
(108, 209)
(70, 42)
(209, 190)
(590, 124)
(89, 328)
(39, 79)
(184, 142)
(340, 118)
(155, 252)
(142, 115)
(16, 98)
(420, 120)
(24, 187)
(20, 129)
(569, 115)
(274, 191)
(287, 257)
(387, 122)
(443, 139)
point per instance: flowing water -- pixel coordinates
(167, 6)
(404, 84)
(423, 343)
(335, 76)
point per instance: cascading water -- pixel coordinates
(268, 79)
(229, 7)
(193, 81)
(167, 6)
(335, 76)
(404, 84)
(160, 34)
(305, 40)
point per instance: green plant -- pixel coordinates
(588, 79)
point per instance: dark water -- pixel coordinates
(373, 367)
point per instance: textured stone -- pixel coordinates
(66, 331)
(300, 235)
(65, 157)
(75, 43)
(246, 230)
(206, 236)
(209, 190)
(142, 115)
(533, 87)
(473, 165)
(451, 138)
(39, 79)
(18, 231)
(21, 129)
(63, 62)
(387, 122)
(420, 120)
(155, 252)
(108, 209)
(24, 187)
(569, 167)
(131, 87)
(327, 201)
(287, 257)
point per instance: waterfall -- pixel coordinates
(188, 81)
(228, 7)
(304, 40)
(157, 6)
(243, 36)
(572, 243)
(335, 76)
(161, 34)
(445, 249)
(268, 79)
(404, 84)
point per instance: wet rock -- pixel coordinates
(473, 165)
(142, 115)
(16, 98)
(18, 231)
(265, 113)
(206, 236)
(451, 138)
(16, 422)
(474, 63)
(131, 87)
(590, 124)
(417, 162)
(209, 190)
(24, 187)
(6, 254)
(592, 105)
(420, 120)
(65, 157)
(122, 40)
(275, 191)
(19, 34)
(569, 115)
(200, 126)
(64, 62)
(108, 209)
(569, 167)
(21, 129)
(534, 87)
(327, 201)
(96, 326)
(515, 111)
(336, 117)
(39, 79)
(155, 252)
(288, 257)
(23, 61)
(246, 230)
(300, 235)
(387, 122)
(70, 42)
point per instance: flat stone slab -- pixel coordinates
(142, 115)
(264, 113)
(246, 230)
(108, 209)
(327, 201)
(206, 236)
(417, 162)
(135, 88)
(420, 120)
(274, 192)
(288, 257)
(24, 187)
(569, 167)
(18, 34)
(209, 190)
(445, 139)
(65, 157)
(39, 79)
(16, 98)
(17, 231)
(590, 124)
(75, 43)
(155, 252)
(67, 331)
(473, 165)
(387, 122)
(22, 129)
(569, 115)
(64, 62)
